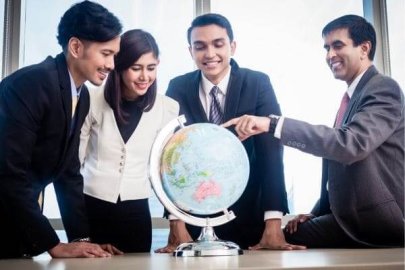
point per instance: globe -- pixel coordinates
(200, 169)
(204, 168)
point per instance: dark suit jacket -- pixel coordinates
(363, 163)
(36, 148)
(249, 92)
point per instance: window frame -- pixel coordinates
(375, 11)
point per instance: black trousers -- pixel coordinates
(126, 224)
(321, 232)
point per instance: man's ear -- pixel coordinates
(190, 50)
(365, 49)
(75, 47)
(233, 47)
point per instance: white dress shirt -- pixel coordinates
(205, 88)
(110, 167)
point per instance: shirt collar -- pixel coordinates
(75, 91)
(223, 84)
(353, 85)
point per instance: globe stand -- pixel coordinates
(207, 244)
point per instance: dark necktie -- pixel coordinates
(215, 108)
(342, 109)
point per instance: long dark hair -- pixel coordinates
(134, 44)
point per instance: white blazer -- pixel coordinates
(110, 167)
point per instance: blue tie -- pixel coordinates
(215, 108)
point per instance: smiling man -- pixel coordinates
(42, 108)
(218, 91)
(362, 193)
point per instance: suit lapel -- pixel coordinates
(371, 72)
(66, 94)
(324, 200)
(81, 110)
(193, 99)
(231, 101)
(233, 92)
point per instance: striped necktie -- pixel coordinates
(216, 115)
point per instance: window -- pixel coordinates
(1, 33)
(166, 20)
(283, 39)
(396, 37)
(280, 38)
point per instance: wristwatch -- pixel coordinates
(273, 123)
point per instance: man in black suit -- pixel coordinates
(42, 108)
(362, 193)
(239, 91)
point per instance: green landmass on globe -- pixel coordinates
(204, 168)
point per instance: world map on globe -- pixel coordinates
(204, 168)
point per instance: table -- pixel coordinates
(305, 259)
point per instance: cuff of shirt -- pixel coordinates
(173, 217)
(85, 239)
(273, 215)
(277, 132)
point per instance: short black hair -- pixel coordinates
(359, 30)
(207, 19)
(88, 21)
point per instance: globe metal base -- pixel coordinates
(207, 244)
(202, 249)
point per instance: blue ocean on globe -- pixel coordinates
(204, 168)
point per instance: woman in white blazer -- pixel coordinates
(116, 138)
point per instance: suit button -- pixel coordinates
(289, 143)
(303, 146)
